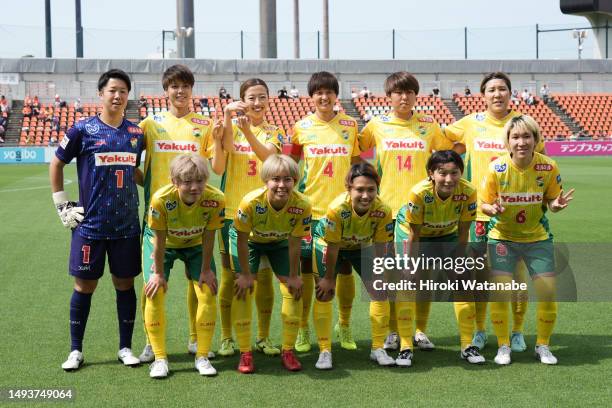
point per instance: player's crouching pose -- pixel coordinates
(517, 189)
(343, 239)
(105, 222)
(270, 221)
(183, 218)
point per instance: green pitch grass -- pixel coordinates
(34, 299)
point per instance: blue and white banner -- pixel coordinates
(22, 155)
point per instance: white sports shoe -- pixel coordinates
(404, 358)
(381, 357)
(472, 355)
(325, 361)
(128, 358)
(147, 355)
(422, 342)
(503, 355)
(544, 355)
(203, 365)
(392, 341)
(159, 369)
(74, 361)
(192, 348)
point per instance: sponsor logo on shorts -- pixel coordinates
(345, 122)
(481, 145)
(543, 167)
(404, 144)
(186, 232)
(500, 168)
(92, 129)
(521, 198)
(115, 159)
(500, 249)
(440, 225)
(203, 122)
(328, 150)
(271, 234)
(171, 205)
(460, 197)
(64, 142)
(171, 146)
(295, 210)
(135, 130)
(260, 209)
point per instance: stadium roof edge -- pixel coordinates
(204, 66)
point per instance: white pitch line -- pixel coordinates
(12, 190)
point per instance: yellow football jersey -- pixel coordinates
(402, 150)
(167, 136)
(523, 194)
(343, 226)
(184, 223)
(243, 168)
(484, 140)
(265, 224)
(438, 217)
(328, 148)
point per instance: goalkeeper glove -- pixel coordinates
(69, 213)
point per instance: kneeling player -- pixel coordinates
(107, 150)
(517, 189)
(343, 239)
(270, 221)
(182, 218)
(435, 223)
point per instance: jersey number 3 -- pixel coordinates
(252, 168)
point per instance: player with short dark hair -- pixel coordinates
(105, 221)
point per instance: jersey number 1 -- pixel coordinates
(119, 174)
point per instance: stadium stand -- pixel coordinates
(551, 124)
(380, 105)
(593, 112)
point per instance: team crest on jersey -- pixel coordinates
(422, 130)
(540, 181)
(92, 129)
(500, 168)
(384, 118)
(260, 209)
(158, 118)
(134, 142)
(306, 123)
(345, 135)
(197, 132)
(428, 199)
(344, 214)
(171, 205)
(480, 117)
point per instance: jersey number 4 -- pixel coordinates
(329, 169)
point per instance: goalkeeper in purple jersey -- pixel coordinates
(104, 221)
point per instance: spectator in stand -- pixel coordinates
(514, 98)
(3, 126)
(282, 93)
(223, 93)
(203, 102)
(367, 117)
(467, 91)
(294, 92)
(35, 105)
(525, 95)
(27, 111)
(52, 140)
(544, 93)
(365, 92)
(354, 93)
(142, 102)
(78, 106)
(27, 101)
(4, 105)
(436, 92)
(530, 99)
(49, 114)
